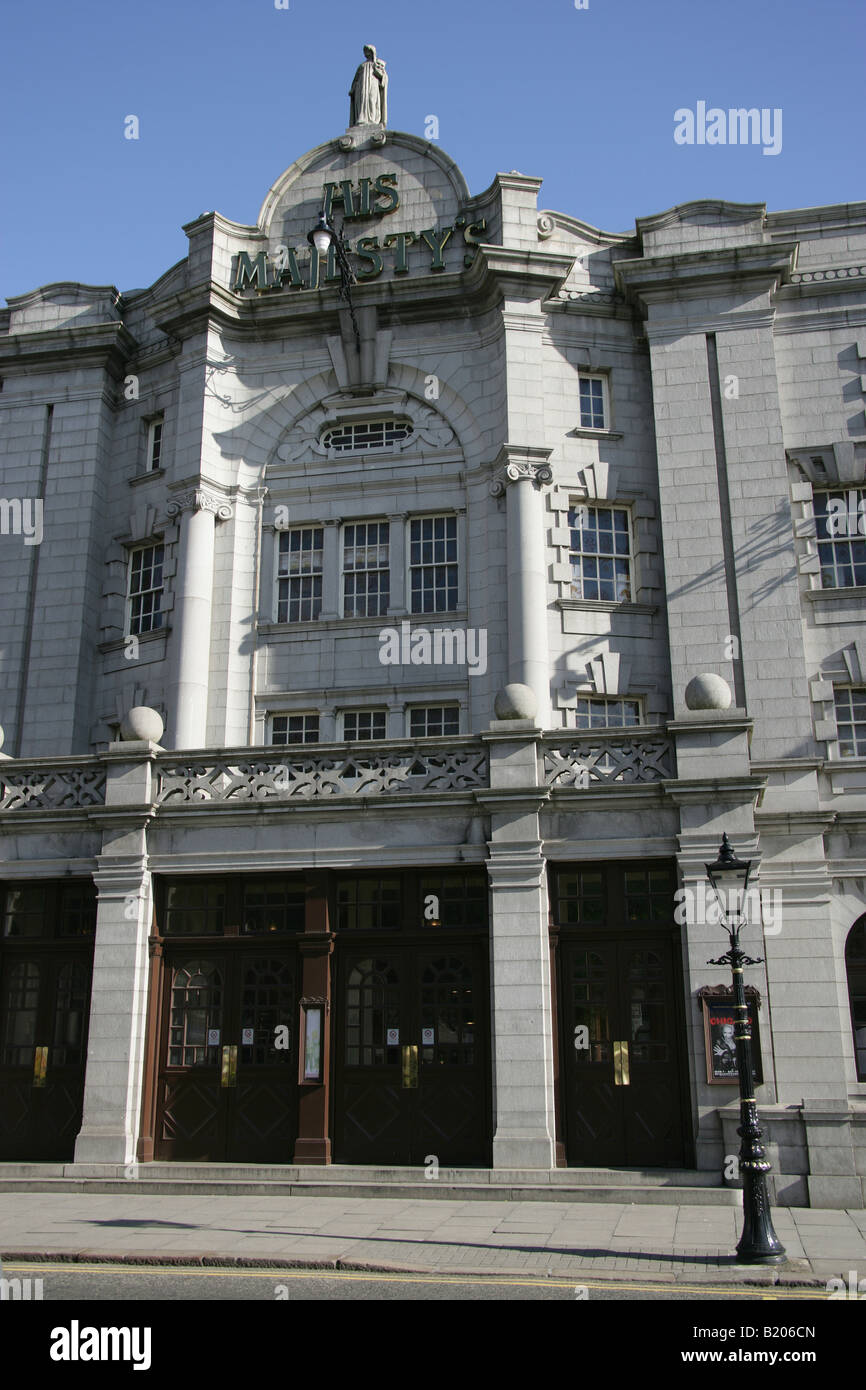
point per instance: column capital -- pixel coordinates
(520, 463)
(201, 499)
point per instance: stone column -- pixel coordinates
(198, 511)
(523, 470)
(118, 1002)
(522, 1027)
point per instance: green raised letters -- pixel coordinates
(289, 273)
(249, 273)
(437, 241)
(339, 193)
(401, 240)
(364, 198)
(332, 271)
(391, 194)
(368, 248)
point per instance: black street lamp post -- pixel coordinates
(759, 1244)
(323, 237)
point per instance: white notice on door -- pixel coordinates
(247, 1035)
(392, 1037)
(213, 1037)
(428, 1036)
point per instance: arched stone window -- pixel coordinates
(855, 964)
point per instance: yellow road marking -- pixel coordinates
(279, 1276)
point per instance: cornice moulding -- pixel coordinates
(100, 344)
(656, 277)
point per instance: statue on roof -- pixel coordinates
(368, 96)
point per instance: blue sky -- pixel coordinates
(229, 93)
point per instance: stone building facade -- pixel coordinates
(460, 920)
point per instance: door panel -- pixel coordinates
(449, 1105)
(227, 1092)
(44, 1005)
(651, 1101)
(594, 1102)
(192, 1120)
(622, 1090)
(371, 1105)
(435, 1002)
(263, 1108)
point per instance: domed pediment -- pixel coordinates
(399, 202)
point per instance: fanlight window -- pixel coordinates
(367, 435)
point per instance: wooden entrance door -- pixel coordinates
(622, 1038)
(622, 1089)
(46, 964)
(412, 1058)
(227, 1087)
(44, 1006)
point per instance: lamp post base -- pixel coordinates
(759, 1244)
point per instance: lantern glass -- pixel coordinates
(322, 235)
(729, 877)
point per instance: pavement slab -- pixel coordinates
(676, 1244)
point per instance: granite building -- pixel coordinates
(353, 806)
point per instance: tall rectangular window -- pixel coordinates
(154, 443)
(145, 589)
(592, 412)
(299, 574)
(840, 528)
(600, 553)
(433, 564)
(851, 720)
(366, 573)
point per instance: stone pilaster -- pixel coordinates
(716, 794)
(522, 1026)
(199, 509)
(118, 1007)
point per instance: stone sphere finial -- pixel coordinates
(515, 702)
(708, 691)
(141, 724)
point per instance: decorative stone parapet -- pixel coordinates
(295, 775)
(307, 776)
(601, 758)
(52, 785)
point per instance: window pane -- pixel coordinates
(597, 534)
(434, 721)
(433, 564)
(145, 589)
(840, 525)
(299, 570)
